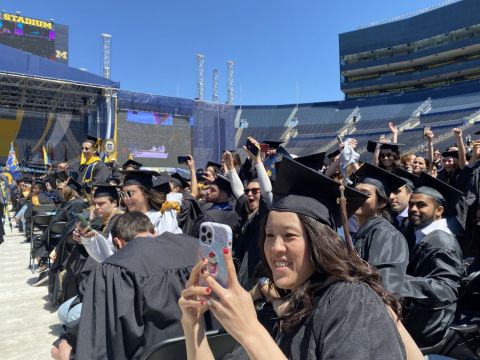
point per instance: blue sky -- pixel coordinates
(275, 43)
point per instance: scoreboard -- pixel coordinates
(38, 37)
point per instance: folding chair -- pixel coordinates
(221, 344)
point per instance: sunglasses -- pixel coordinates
(85, 148)
(125, 194)
(254, 191)
(386, 155)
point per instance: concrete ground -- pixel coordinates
(28, 324)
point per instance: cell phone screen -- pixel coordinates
(182, 159)
(254, 149)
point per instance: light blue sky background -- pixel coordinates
(274, 43)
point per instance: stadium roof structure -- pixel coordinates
(31, 82)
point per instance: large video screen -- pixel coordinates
(154, 139)
(35, 36)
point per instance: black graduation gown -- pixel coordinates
(350, 321)
(130, 301)
(385, 248)
(190, 210)
(408, 231)
(97, 172)
(431, 287)
(247, 248)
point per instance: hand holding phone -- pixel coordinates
(252, 147)
(213, 239)
(183, 160)
(84, 223)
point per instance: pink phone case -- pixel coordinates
(213, 239)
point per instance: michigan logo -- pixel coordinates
(61, 54)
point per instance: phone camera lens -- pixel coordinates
(204, 239)
(209, 234)
(204, 229)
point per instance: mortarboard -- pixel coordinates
(131, 163)
(273, 144)
(452, 154)
(333, 154)
(380, 178)
(161, 182)
(447, 195)
(102, 190)
(372, 145)
(216, 166)
(223, 184)
(305, 191)
(139, 177)
(411, 179)
(183, 181)
(92, 139)
(74, 185)
(476, 132)
(313, 161)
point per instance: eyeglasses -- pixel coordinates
(126, 194)
(386, 155)
(254, 191)
(85, 148)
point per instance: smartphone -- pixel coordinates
(213, 238)
(264, 148)
(84, 223)
(339, 139)
(425, 130)
(254, 149)
(183, 159)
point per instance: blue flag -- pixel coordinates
(12, 163)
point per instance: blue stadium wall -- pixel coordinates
(450, 32)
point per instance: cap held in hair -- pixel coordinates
(372, 145)
(139, 177)
(380, 178)
(103, 190)
(302, 190)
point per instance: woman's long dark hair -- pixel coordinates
(396, 160)
(155, 198)
(332, 257)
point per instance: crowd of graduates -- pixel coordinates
(331, 258)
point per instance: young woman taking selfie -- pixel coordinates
(334, 306)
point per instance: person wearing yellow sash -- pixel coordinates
(92, 169)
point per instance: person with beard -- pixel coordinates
(436, 266)
(92, 169)
(398, 204)
(377, 241)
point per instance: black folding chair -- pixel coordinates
(54, 234)
(40, 217)
(221, 344)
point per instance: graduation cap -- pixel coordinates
(180, 180)
(476, 132)
(273, 144)
(131, 163)
(216, 166)
(411, 179)
(313, 161)
(305, 191)
(139, 177)
(102, 190)
(445, 194)
(380, 178)
(93, 140)
(334, 154)
(161, 182)
(223, 184)
(452, 154)
(74, 185)
(372, 145)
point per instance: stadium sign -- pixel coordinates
(27, 21)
